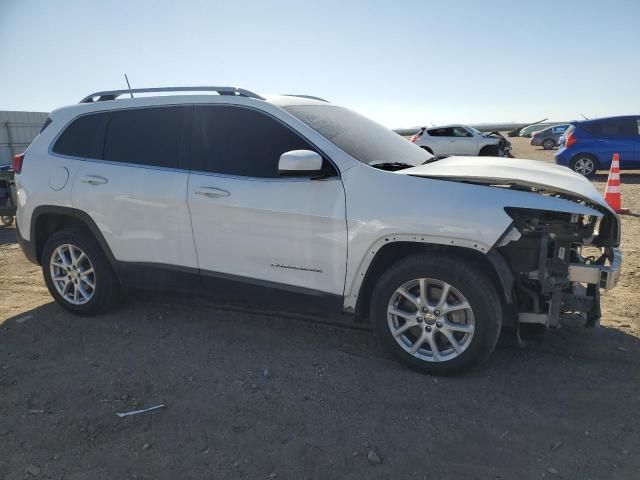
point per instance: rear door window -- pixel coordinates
(240, 141)
(441, 132)
(83, 137)
(146, 136)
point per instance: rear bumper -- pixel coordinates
(28, 248)
(563, 157)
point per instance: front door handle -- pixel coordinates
(212, 192)
(94, 180)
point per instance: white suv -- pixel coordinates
(461, 140)
(292, 194)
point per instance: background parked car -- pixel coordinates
(528, 131)
(461, 140)
(549, 137)
(589, 145)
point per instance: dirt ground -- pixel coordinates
(263, 395)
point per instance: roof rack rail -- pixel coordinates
(113, 94)
(310, 97)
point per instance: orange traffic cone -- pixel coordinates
(612, 193)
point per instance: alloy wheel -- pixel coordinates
(72, 274)
(430, 320)
(584, 166)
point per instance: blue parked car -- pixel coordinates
(588, 146)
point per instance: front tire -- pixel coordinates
(78, 274)
(436, 313)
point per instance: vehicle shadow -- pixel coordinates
(7, 235)
(630, 177)
(291, 395)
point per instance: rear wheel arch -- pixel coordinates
(47, 220)
(492, 263)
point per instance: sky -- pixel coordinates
(402, 63)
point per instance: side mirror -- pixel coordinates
(300, 162)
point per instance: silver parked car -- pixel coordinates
(549, 137)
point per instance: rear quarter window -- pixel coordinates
(83, 137)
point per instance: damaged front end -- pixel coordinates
(559, 262)
(504, 145)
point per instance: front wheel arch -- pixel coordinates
(489, 151)
(491, 262)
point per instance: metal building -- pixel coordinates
(17, 131)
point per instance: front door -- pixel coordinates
(462, 142)
(251, 224)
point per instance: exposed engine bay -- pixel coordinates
(504, 145)
(552, 271)
(562, 245)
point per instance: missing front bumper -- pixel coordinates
(584, 298)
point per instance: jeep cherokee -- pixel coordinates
(292, 193)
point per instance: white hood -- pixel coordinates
(511, 171)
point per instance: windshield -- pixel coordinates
(363, 139)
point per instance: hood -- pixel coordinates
(530, 174)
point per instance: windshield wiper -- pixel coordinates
(391, 165)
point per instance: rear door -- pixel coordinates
(134, 186)
(616, 135)
(439, 140)
(251, 224)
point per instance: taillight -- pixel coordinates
(17, 162)
(570, 140)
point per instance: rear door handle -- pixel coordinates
(94, 180)
(212, 192)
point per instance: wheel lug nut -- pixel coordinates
(425, 309)
(419, 319)
(439, 324)
(437, 312)
(428, 328)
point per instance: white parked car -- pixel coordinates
(461, 140)
(296, 195)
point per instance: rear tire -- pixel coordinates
(584, 164)
(78, 273)
(427, 322)
(548, 144)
